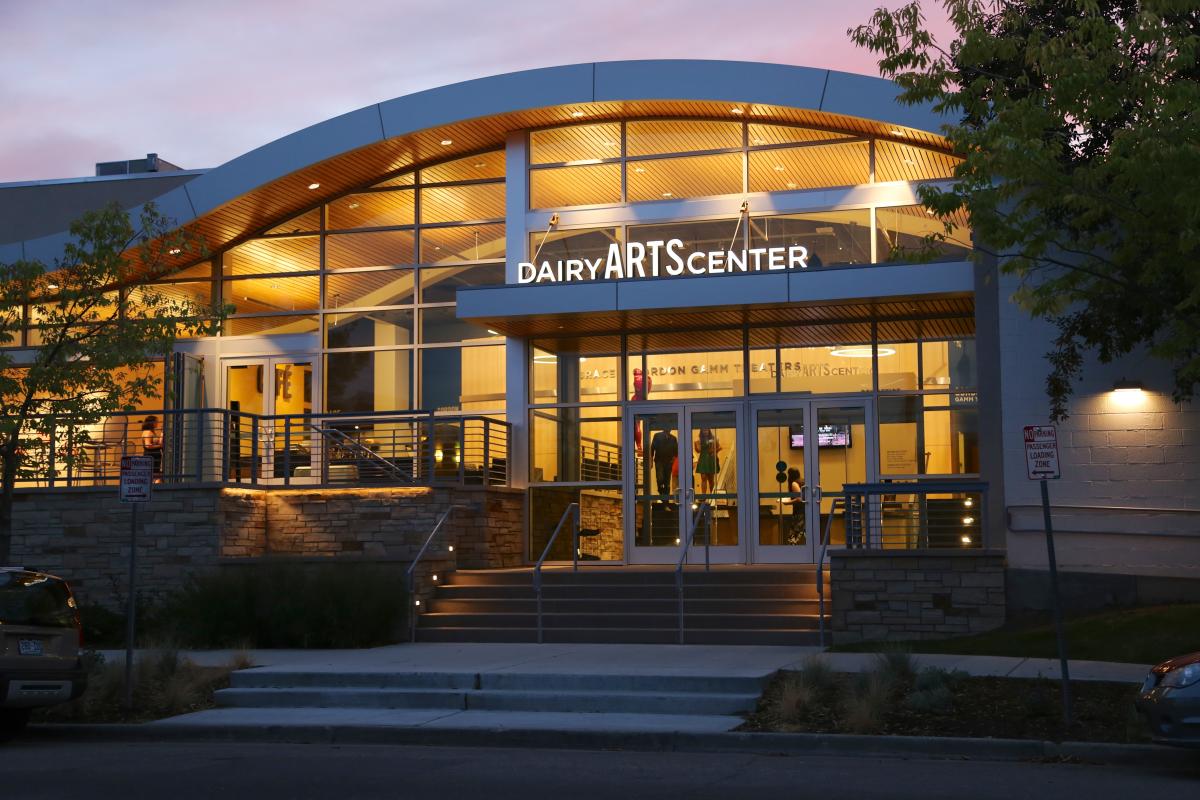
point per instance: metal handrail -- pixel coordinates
(703, 509)
(537, 568)
(409, 575)
(345, 440)
(837, 502)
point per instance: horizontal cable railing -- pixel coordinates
(912, 516)
(221, 446)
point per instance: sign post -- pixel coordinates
(1042, 465)
(137, 478)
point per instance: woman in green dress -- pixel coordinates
(708, 460)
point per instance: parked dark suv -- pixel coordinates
(40, 643)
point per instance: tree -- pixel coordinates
(96, 321)
(1079, 121)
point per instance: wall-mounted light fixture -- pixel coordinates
(1128, 393)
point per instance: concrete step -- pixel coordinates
(802, 573)
(274, 679)
(340, 697)
(479, 605)
(498, 681)
(620, 635)
(502, 619)
(778, 591)
(609, 702)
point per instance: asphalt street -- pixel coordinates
(181, 771)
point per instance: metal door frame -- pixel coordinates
(727, 554)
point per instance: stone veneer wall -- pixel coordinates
(921, 594)
(83, 535)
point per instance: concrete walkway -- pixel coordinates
(549, 676)
(633, 659)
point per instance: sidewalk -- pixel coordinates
(626, 659)
(649, 697)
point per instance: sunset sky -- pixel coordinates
(202, 82)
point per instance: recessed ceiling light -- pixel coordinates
(480, 164)
(174, 251)
(639, 169)
(354, 205)
(668, 194)
(736, 110)
(492, 332)
(756, 141)
(576, 114)
(779, 167)
(909, 162)
(314, 185)
(791, 184)
(447, 142)
(895, 132)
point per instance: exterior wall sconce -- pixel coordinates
(1128, 393)
(1124, 386)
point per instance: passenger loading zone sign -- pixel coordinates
(1041, 452)
(137, 476)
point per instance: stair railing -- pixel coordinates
(338, 440)
(571, 511)
(704, 510)
(410, 586)
(838, 503)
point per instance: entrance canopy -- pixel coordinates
(681, 312)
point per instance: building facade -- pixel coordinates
(682, 287)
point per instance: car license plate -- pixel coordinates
(29, 647)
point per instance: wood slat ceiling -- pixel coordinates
(847, 164)
(370, 249)
(366, 289)
(462, 203)
(372, 210)
(575, 143)
(695, 324)
(259, 209)
(266, 256)
(658, 137)
(687, 176)
(594, 184)
(462, 243)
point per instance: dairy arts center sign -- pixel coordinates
(658, 259)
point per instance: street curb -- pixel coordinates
(790, 744)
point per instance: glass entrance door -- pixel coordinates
(685, 458)
(806, 452)
(272, 388)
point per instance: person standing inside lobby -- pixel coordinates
(708, 459)
(664, 451)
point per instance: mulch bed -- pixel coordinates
(1002, 708)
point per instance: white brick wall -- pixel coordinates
(1129, 498)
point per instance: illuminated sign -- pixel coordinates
(658, 259)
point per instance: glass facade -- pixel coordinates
(371, 278)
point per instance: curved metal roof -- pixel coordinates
(270, 183)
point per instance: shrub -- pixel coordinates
(287, 605)
(794, 699)
(867, 702)
(937, 698)
(817, 675)
(897, 666)
(164, 684)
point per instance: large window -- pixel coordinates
(373, 277)
(669, 159)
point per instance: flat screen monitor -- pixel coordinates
(827, 436)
